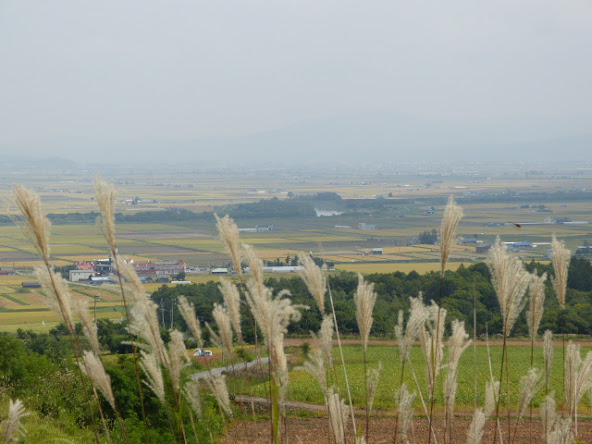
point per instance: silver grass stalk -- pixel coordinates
(548, 415)
(452, 215)
(228, 232)
(105, 196)
(338, 414)
(475, 432)
(144, 324)
(224, 323)
(536, 302)
(529, 386)
(152, 369)
(373, 380)
(192, 395)
(510, 281)
(364, 298)
(134, 287)
(187, 310)
(93, 367)
(560, 259)
(405, 401)
(34, 225)
(562, 432)
(255, 266)
(458, 343)
(232, 301)
(314, 279)
(59, 298)
(548, 352)
(217, 384)
(89, 328)
(12, 427)
(491, 396)
(315, 365)
(324, 341)
(273, 315)
(432, 341)
(178, 358)
(578, 379)
(407, 335)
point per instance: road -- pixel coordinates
(220, 370)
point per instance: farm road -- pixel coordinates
(229, 368)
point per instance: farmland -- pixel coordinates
(395, 207)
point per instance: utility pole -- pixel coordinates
(97, 297)
(162, 313)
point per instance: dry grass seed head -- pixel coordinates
(364, 298)
(452, 215)
(105, 196)
(373, 380)
(510, 280)
(314, 279)
(228, 232)
(407, 335)
(58, 296)
(217, 384)
(536, 303)
(491, 396)
(133, 289)
(338, 414)
(232, 301)
(560, 259)
(89, 327)
(315, 365)
(255, 266)
(475, 432)
(12, 427)
(548, 413)
(93, 367)
(529, 386)
(220, 315)
(34, 225)
(548, 352)
(192, 395)
(432, 341)
(324, 340)
(187, 310)
(144, 324)
(178, 358)
(153, 374)
(405, 401)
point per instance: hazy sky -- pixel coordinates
(78, 74)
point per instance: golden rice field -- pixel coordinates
(420, 268)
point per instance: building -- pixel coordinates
(159, 269)
(377, 251)
(365, 226)
(482, 249)
(80, 275)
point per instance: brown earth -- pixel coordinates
(316, 430)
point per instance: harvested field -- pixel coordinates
(316, 430)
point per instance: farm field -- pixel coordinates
(303, 387)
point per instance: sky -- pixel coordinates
(143, 78)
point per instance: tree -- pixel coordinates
(428, 237)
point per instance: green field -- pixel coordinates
(304, 388)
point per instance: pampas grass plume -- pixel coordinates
(407, 335)
(217, 384)
(151, 367)
(93, 367)
(12, 426)
(187, 310)
(548, 352)
(34, 225)
(365, 298)
(228, 232)
(560, 259)
(405, 401)
(452, 215)
(536, 303)
(232, 301)
(314, 279)
(105, 196)
(338, 414)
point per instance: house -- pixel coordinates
(80, 275)
(365, 226)
(482, 249)
(30, 284)
(219, 271)
(377, 251)
(159, 269)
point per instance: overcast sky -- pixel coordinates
(77, 74)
